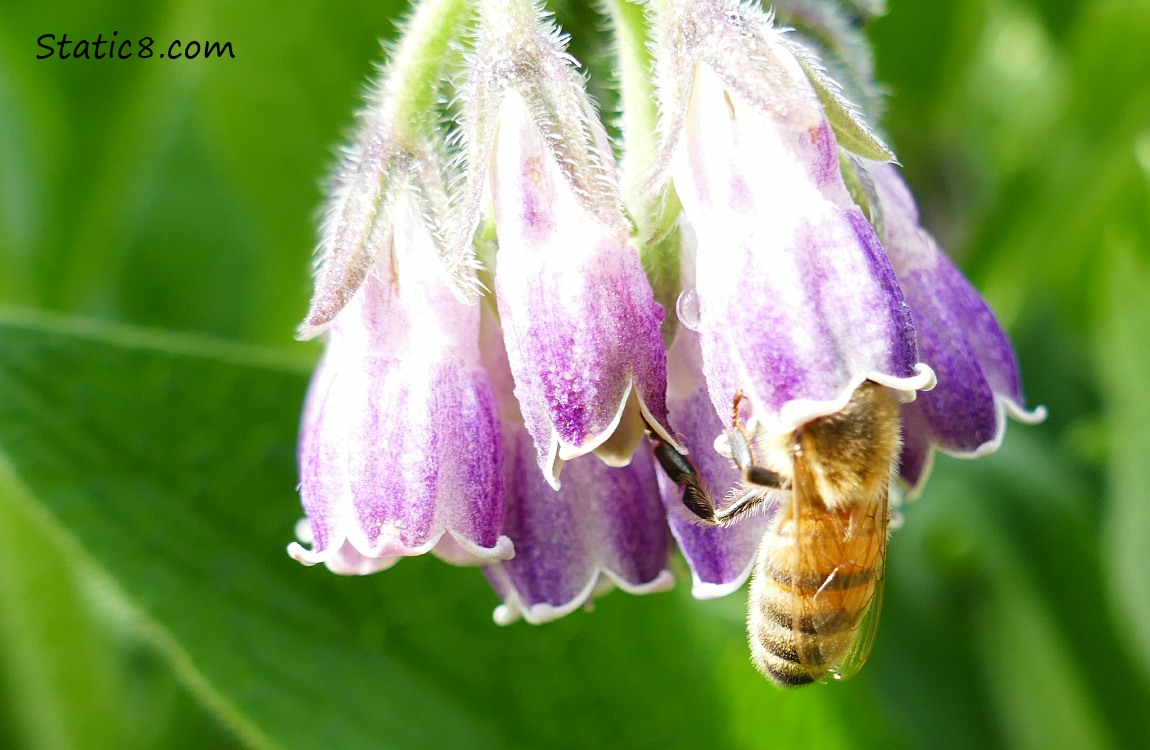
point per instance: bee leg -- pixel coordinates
(683, 473)
(748, 499)
(754, 476)
(695, 498)
(744, 459)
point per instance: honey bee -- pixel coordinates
(817, 586)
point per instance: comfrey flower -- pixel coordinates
(580, 327)
(490, 406)
(580, 321)
(720, 557)
(400, 446)
(791, 298)
(797, 302)
(604, 527)
(422, 434)
(978, 378)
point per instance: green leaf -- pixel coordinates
(1125, 360)
(851, 130)
(129, 447)
(73, 668)
(171, 464)
(862, 190)
(53, 661)
(1040, 697)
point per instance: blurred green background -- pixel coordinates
(156, 223)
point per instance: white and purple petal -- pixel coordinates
(959, 337)
(427, 461)
(739, 43)
(605, 526)
(917, 456)
(580, 321)
(401, 442)
(798, 303)
(720, 557)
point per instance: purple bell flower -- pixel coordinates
(580, 321)
(978, 378)
(442, 411)
(720, 557)
(797, 301)
(400, 446)
(604, 527)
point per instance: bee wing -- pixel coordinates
(864, 636)
(836, 568)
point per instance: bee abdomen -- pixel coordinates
(803, 624)
(839, 578)
(775, 649)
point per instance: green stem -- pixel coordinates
(639, 116)
(413, 76)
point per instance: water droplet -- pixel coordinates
(687, 308)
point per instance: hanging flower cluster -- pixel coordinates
(525, 336)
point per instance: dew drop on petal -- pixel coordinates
(687, 308)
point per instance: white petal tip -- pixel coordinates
(704, 591)
(924, 379)
(553, 463)
(798, 412)
(457, 550)
(505, 615)
(615, 460)
(300, 554)
(569, 451)
(538, 614)
(1037, 415)
(602, 445)
(664, 581)
(303, 532)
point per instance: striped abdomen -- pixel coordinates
(817, 575)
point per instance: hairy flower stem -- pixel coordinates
(654, 215)
(638, 115)
(412, 77)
